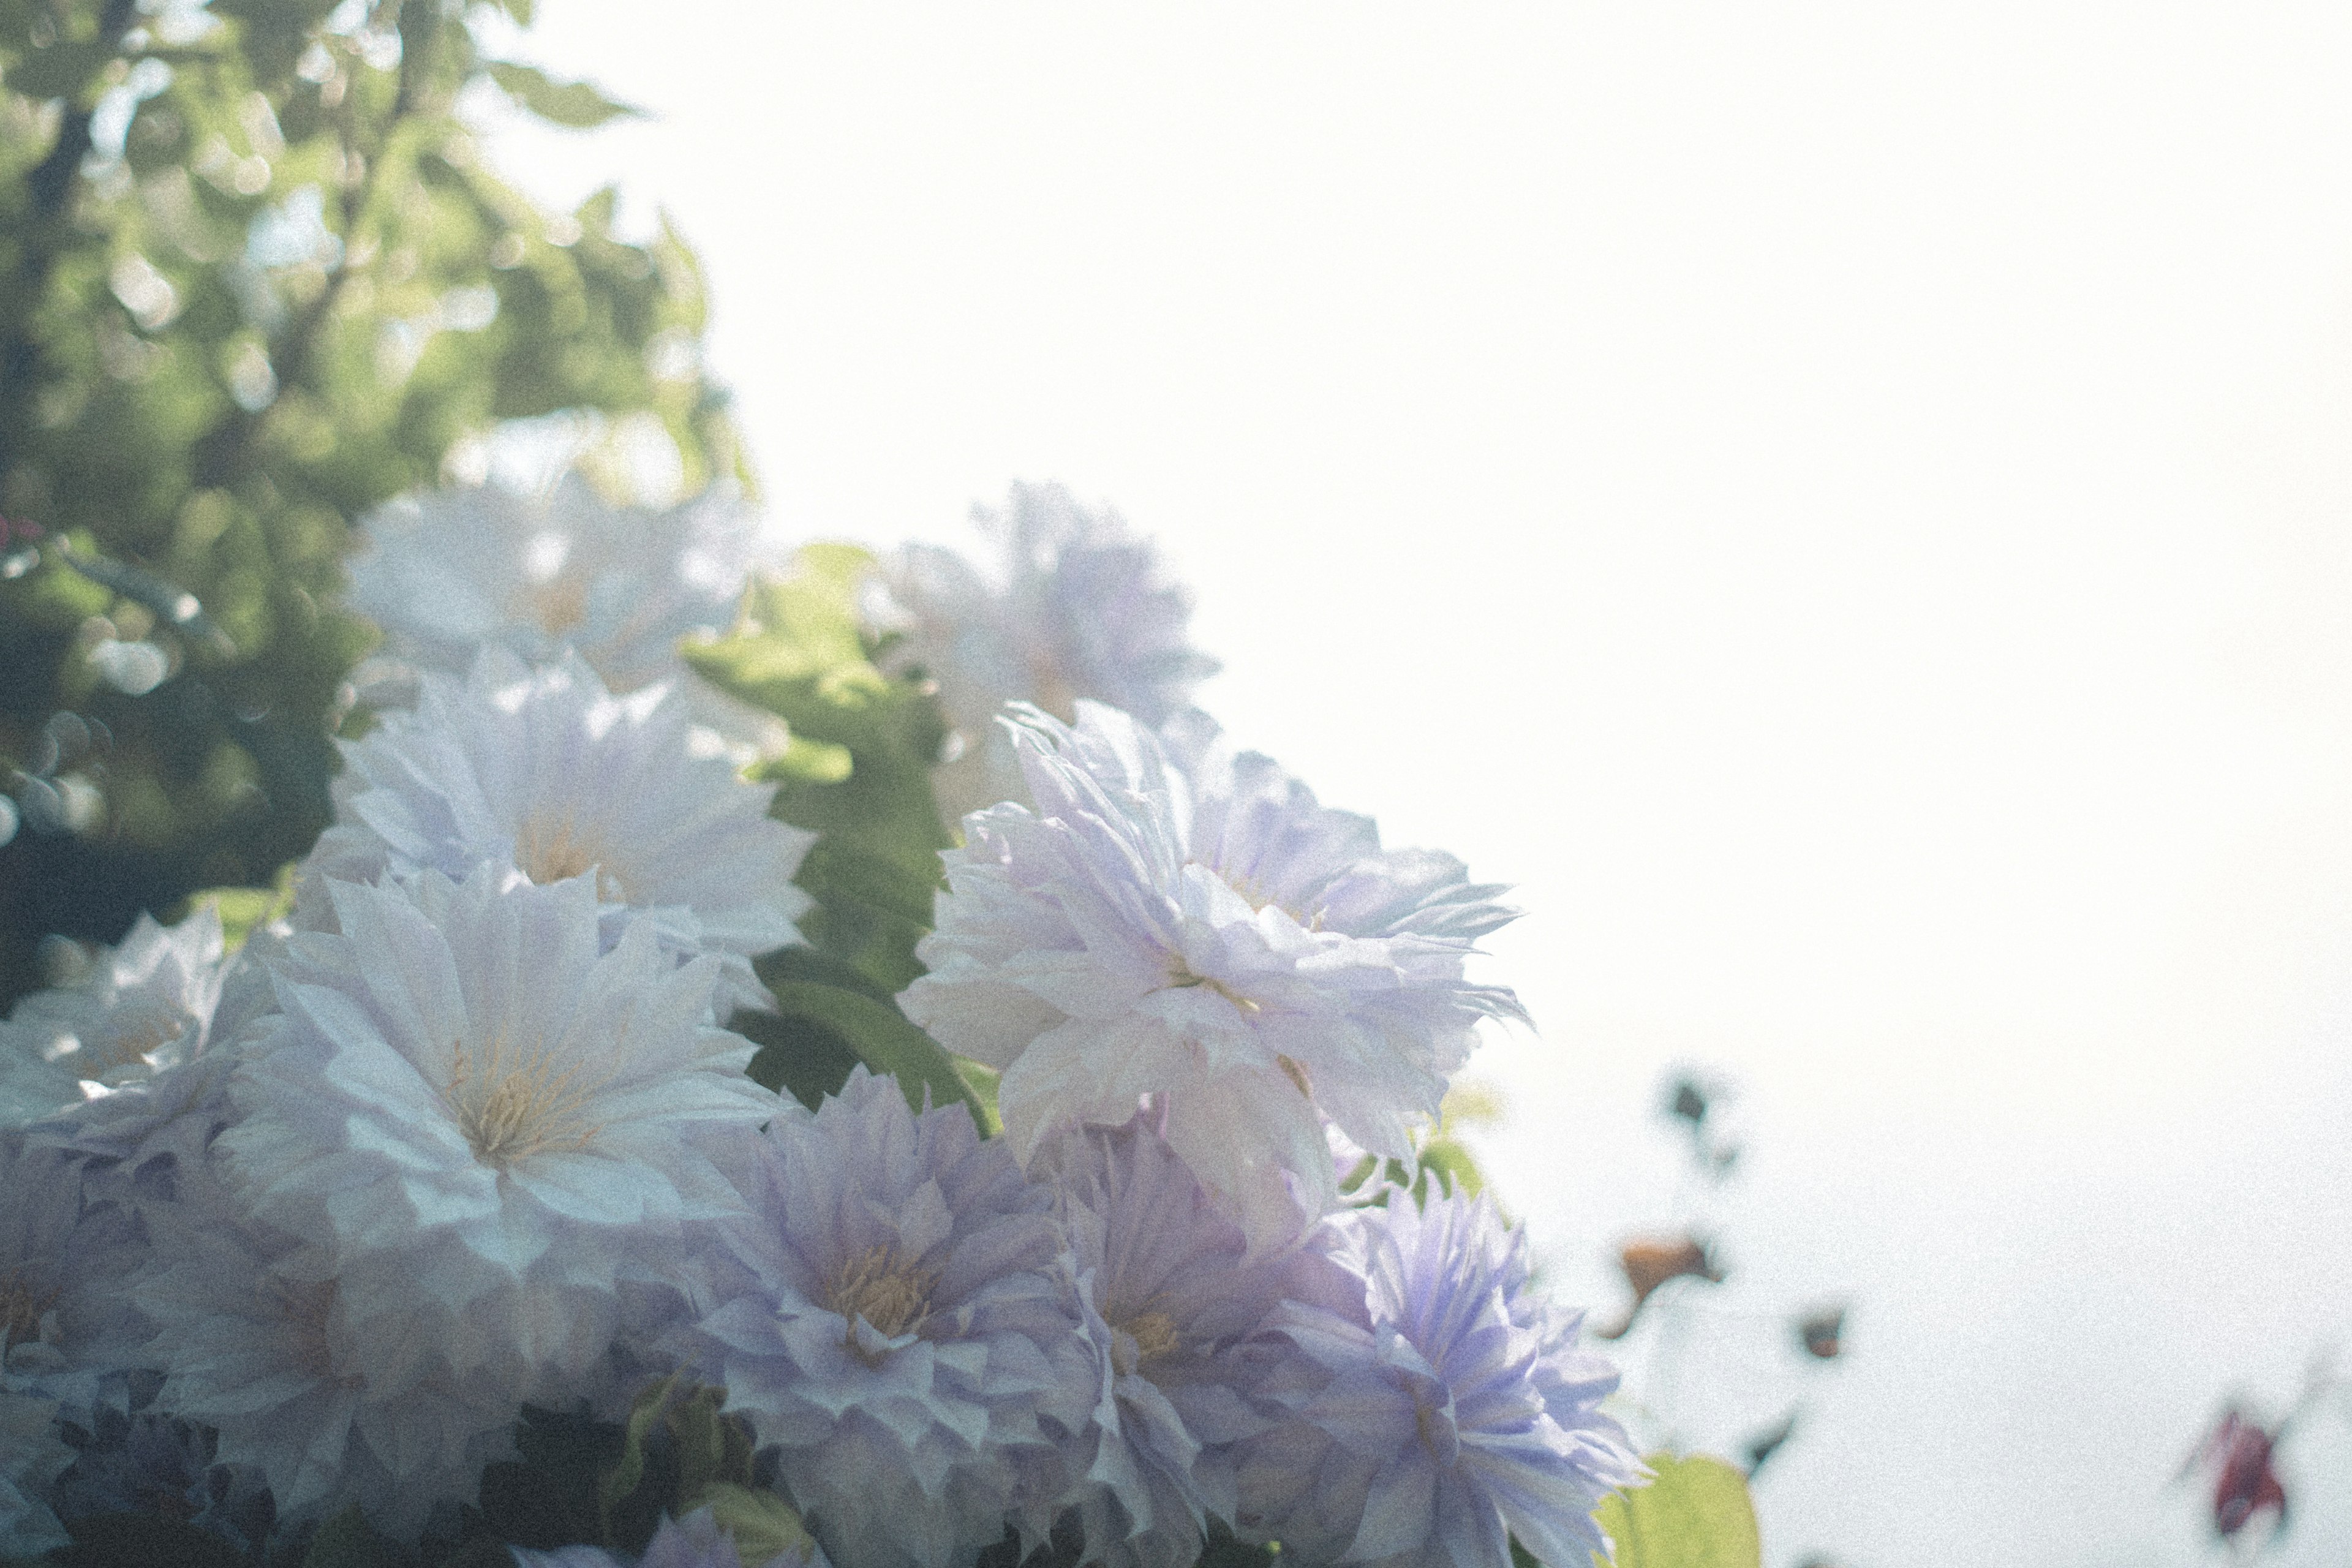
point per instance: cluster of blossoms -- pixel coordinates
(303, 1231)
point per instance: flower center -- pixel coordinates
(130, 1042)
(554, 851)
(1181, 978)
(20, 1311)
(559, 605)
(1433, 1424)
(1142, 1338)
(512, 1105)
(891, 1294)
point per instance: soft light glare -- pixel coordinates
(1843, 504)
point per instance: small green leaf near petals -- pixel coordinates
(762, 1523)
(244, 910)
(346, 1541)
(887, 1042)
(1695, 1514)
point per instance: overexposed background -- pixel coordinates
(1846, 506)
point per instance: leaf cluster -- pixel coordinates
(255, 279)
(857, 773)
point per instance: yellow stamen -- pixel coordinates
(1181, 978)
(1297, 1075)
(1154, 1335)
(555, 850)
(559, 605)
(894, 1296)
(512, 1104)
(129, 1044)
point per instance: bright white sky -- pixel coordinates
(1844, 506)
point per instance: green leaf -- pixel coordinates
(244, 910)
(859, 770)
(1454, 1167)
(110, 1540)
(61, 70)
(572, 103)
(887, 1042)
(1221, 1550)
(1445, 1160)
(788, 965)
(549, 1497)
(347, 1541)
(675, 1446)
(1695, 1514)
(981, 1080)
(858, 775)
(618, 1484)
(763, 1524)
(798, 1056)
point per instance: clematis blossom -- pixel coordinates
(264, 1348)
(1194, 1323)
(1075, 606)
(485, 1120)
(897, 1318)
(448, 573)
(1466, 1415)
(545, 771)
(1217, 939)
(143, 1006)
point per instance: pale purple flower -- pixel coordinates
(1075, 606)
(1222, 943)
(131, 1138)
(1466, 1415)
(66, 1329)
(32, 1455)
(1191, 1319)
(130, 1144)
(141, 1461)
(143, 1005)
(544, 770)
(261, 1341)
(481, 1115)
(899, 1322)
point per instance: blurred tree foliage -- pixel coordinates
(255, 279)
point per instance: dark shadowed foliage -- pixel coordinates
(254, 280)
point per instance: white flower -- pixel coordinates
(449, 571)
(144, 1005)
(547, 772)
(482, 1117)
(1224, 944)
(1076, 607)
